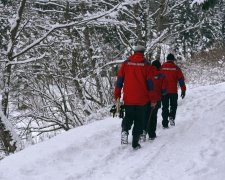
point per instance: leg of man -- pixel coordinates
(128, 119)
(139, 120)
(173, 105)
(165, 110)
(147, 114)
(153, 124)
(127, 123)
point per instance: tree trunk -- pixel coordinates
(160, 21)
(5, 135)
(6, 139)
(93, 61)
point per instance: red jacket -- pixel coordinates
(174, 76)
(160, 83)
(136, 78)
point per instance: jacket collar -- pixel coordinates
(137, 57)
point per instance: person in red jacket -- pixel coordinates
(160, 85)
(174, 76)
(138, 92)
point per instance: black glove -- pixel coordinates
(182, 94)
(113, 110)
(122, 111)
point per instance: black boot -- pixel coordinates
(143, 136)
(165, 124)
(172, 121)
(152, 136)
(135, 141)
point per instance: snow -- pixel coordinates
(192, 150)
(9, 127)
(198, 1)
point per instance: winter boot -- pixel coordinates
(172, 122)
(152, 136)
(143, 136)
(165, 123)
(135, 141)
(124, 137)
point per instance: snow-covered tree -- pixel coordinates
(59, 58)
(30, 44)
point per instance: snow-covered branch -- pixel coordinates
(197, 25)
(26, 61)
(59, 26)
(179, 3)
(159, 39)
(198, 1)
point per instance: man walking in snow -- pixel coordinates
(137, 83)
(160, 85)
(174, 76)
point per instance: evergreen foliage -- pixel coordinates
(209, 4)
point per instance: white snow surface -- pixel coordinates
(198, 1)
(192, 150)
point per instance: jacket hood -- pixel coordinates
(137, 57)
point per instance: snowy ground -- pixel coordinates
(192, 150)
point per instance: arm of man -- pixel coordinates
(153, 95)
(181, 82)
(119, 83)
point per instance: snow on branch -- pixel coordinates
(189, 28)
(26, 61)
(15, 25)
(60, 26)
(176, 5)
(154, 42)
(105, 65)
(198, 1)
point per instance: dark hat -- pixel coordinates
(157, 64)
(139, 48)
(171, 57)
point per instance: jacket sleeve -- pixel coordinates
(181, 80)
(119, 82)
(153, 96)
(164, 84)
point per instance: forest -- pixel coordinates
(59, 58)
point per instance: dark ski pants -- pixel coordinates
(134, 115)
(169, 107)
(152, 121)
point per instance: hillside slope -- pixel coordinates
(192, 150)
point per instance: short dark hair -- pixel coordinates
(157, 64)
(171, 57)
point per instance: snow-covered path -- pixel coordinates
(192, 150)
